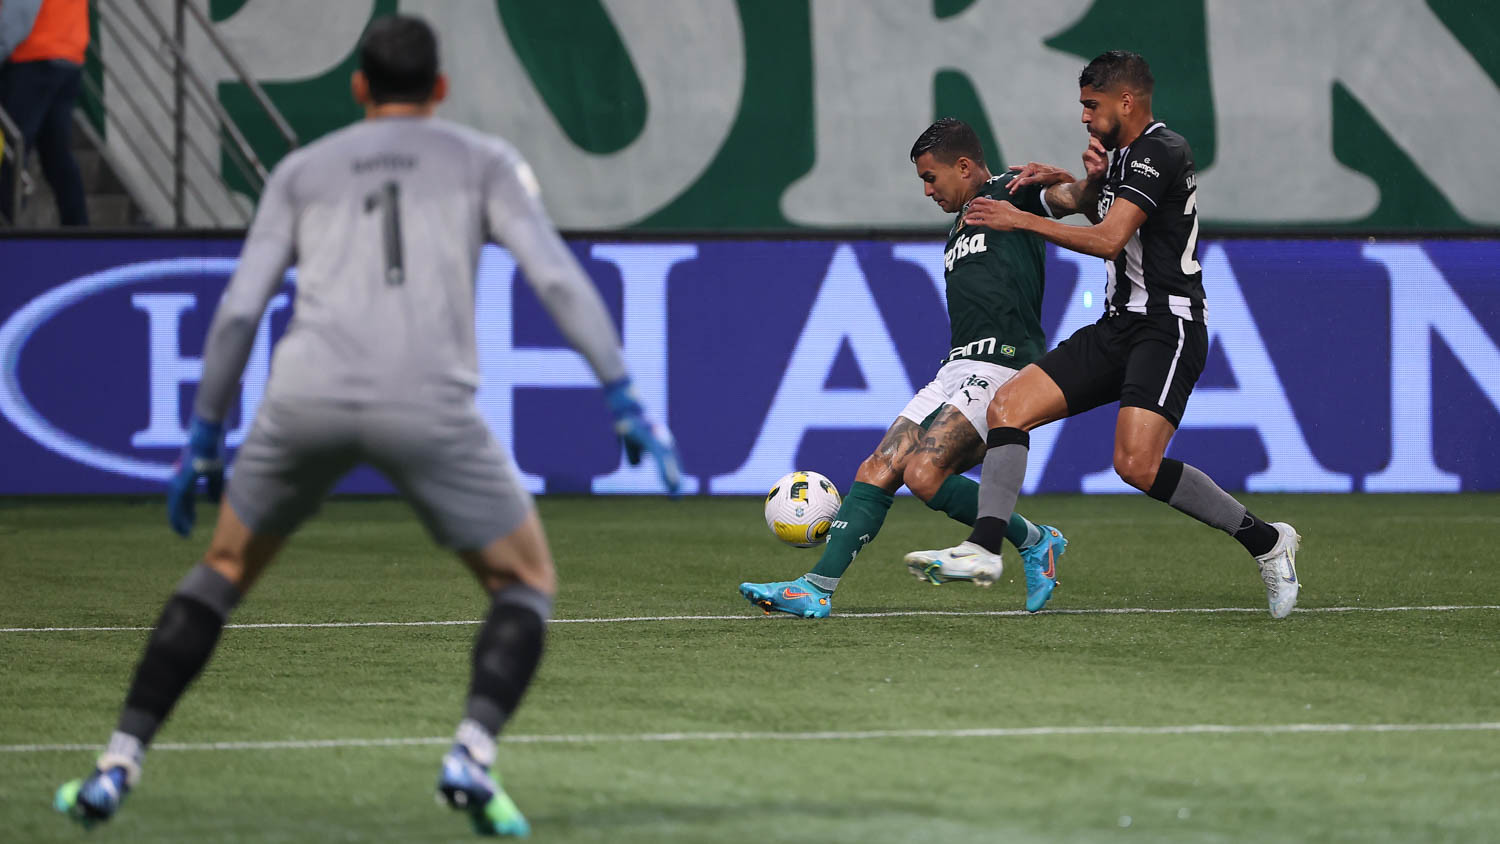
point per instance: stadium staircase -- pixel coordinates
(141, 88)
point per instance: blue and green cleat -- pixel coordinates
(1040, 562)
(467, 785)
(793, 597)
(95, 798)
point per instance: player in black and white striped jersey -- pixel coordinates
(1148, 348)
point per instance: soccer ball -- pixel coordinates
(801, 507)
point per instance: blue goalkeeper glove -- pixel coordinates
(203, 458)
(640, 435)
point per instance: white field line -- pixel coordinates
(851, 735)
(903, 614)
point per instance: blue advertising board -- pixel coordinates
(1336, 365)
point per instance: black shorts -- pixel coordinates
(1142, 360)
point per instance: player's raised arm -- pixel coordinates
(1104, 239)
(1062, 194)
(1153, 169)
(517, 220)
(269, 250)
(1081, 196)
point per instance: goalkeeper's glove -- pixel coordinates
(202, 458)
(639, 434)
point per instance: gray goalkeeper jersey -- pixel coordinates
(385, 221)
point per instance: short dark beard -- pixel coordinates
(1111, 140)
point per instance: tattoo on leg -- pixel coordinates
(899, 442)
(951, 442)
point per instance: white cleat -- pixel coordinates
(966, 561)
(1278, 569)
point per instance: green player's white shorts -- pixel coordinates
(967, 385)
(440, 456)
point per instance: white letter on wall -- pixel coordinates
(1422, 304)
(844, 310)
(690, 57)
(1258, 402)
(874, 64)
(1274, 64)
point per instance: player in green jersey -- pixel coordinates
(994, 289)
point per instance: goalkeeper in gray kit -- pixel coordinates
(384, 221)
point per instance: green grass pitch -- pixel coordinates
(666, 729)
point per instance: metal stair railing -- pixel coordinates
(13, 146)
(192, 94)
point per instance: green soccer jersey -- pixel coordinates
(995, 282)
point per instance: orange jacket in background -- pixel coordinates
(61, 31)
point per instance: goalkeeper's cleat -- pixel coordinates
(793, 597)
(1040, 562)
(1278, 570)
(966, 561)
(96, 798)
(467, 785)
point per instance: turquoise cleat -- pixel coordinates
(1040, 561)
(465, 784)
(95, 798)
(793, 597)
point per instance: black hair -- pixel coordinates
(947, 140)
(399, 57)
(1118, 67)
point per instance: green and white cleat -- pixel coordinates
(97, 797)
(467, 785)
(966, 561)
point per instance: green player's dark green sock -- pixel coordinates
(857, 522)
(959, 498)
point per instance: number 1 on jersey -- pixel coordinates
(389, 198)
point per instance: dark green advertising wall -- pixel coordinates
(786, 114)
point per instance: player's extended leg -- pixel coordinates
(933, 471)
(517, 572)
(1141, 438)
(464, 488)
(951, 446)
(1024, 402)
(179, 647)
(859, 518)
(1028, 401)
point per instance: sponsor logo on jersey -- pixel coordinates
(963, 248)
(978, 347)
(1144, 167)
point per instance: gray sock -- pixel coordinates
(1000, 485)
(1190, 491)
(1194, 493)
